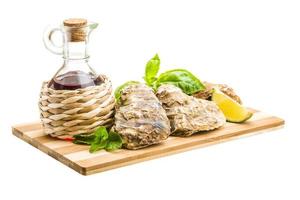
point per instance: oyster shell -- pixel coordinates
(187, 114)
(207, 93)
(140, 118)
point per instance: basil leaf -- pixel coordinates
(181, 78)
(84, 139)
(114, 142)
(96, 146)
(121, 87)
(101, 133)
(151, 70)
(100, 140)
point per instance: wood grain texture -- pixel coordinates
(78, 157)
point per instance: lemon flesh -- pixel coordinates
(233, 111)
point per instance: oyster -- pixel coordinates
(140, 118)
(187, 114)
(207, 93)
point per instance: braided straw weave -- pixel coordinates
(65, 113)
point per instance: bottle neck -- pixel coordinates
(77, 65)
(76, 50)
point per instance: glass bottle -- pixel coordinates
(75, 72)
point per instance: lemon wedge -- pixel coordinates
(233, 111)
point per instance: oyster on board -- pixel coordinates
(187, 114)
(140, 118)
(207, 93)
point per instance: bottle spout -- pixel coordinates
(92, 25)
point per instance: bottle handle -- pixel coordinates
(50, 44)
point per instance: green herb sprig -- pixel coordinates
(181, 78)
(151, 70)
(100, 139)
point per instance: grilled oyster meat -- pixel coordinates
(187, 114)
(207, 93)
(140, 118)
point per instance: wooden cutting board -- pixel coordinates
(78, 157)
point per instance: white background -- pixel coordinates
(253, 46)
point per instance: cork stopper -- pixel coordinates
(76, 29)
(75, 22)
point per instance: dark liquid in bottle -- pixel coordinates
(74, 80)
